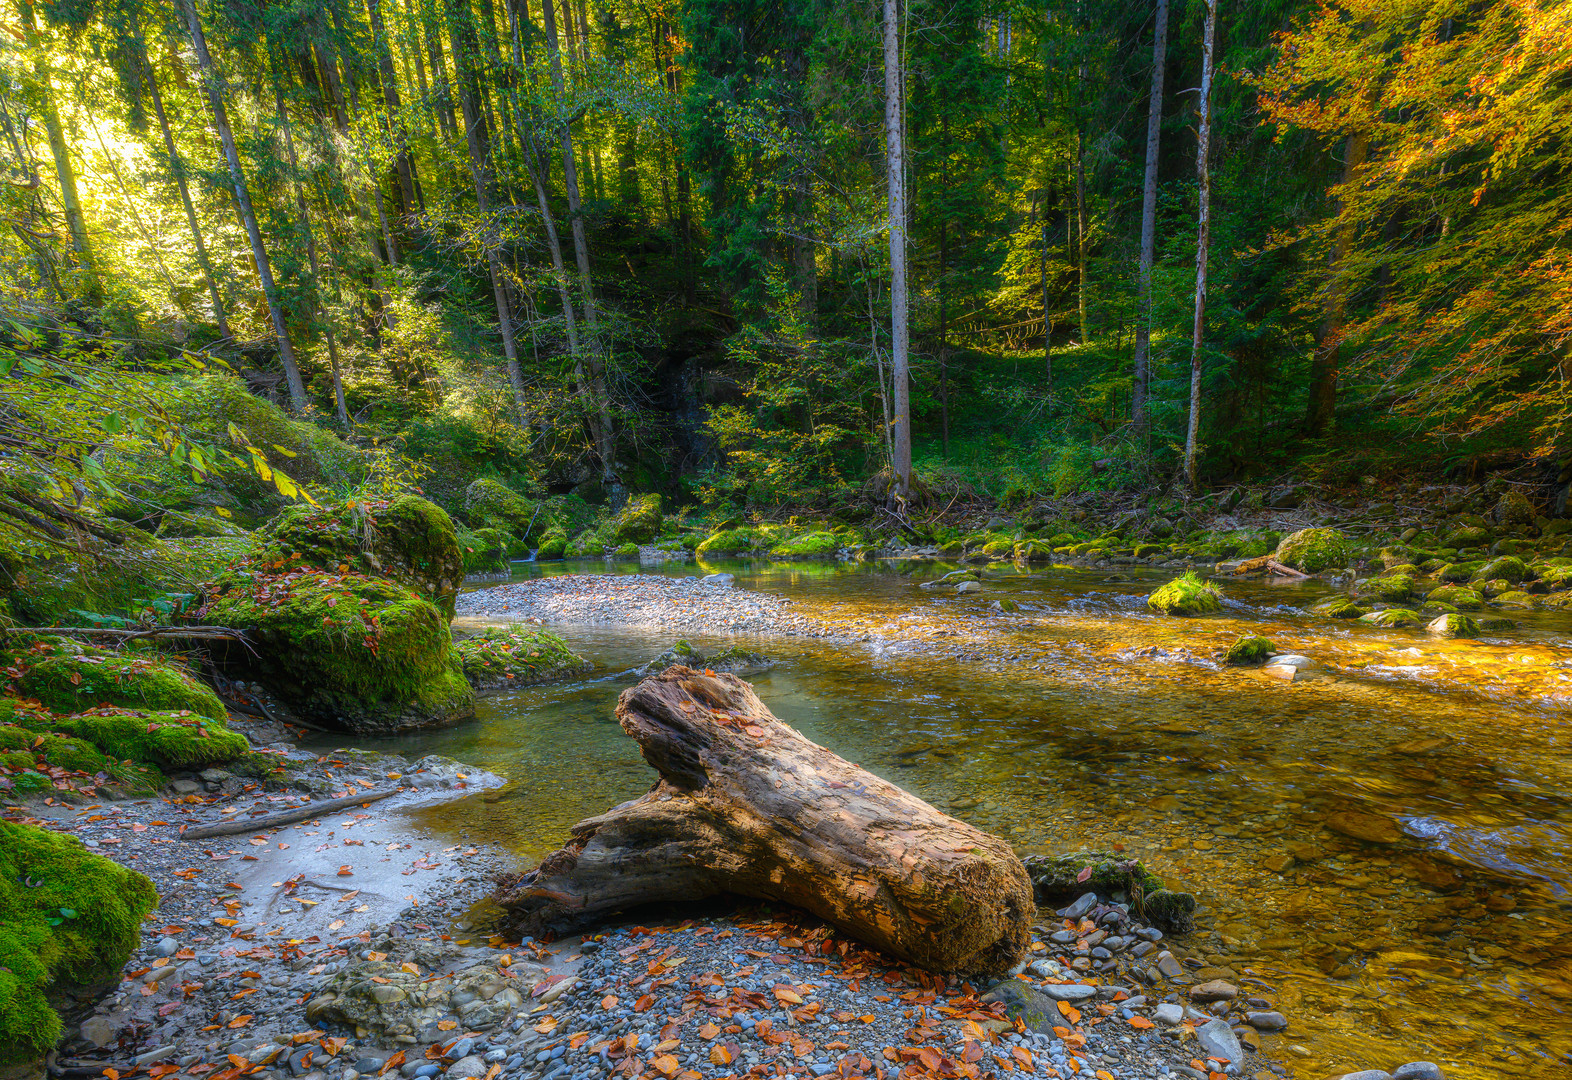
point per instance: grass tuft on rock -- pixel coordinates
(68, 919)
(1186, 595)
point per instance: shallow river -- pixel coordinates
(1084, 720)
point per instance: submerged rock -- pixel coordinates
(734, 659)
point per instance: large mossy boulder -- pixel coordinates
(1186, 595)
(1506, 567)
(1389, 588)
(640, 520)
(492, 504)
(68, 677)
(1513, 509)
(409, 539)
(1314, 550)
(68, 922)
(503, 658)
(363, 653)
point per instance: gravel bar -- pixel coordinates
(695, 605)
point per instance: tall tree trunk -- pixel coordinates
(1042, 282)
(1143, 315)
(1080, 230)
(237, 177)
(177, 169)
(304, 211)
(1324, 365)
(402, 164)
(606, 434)
(441, 89)
(895, 176)
(65, 170)
(1203, 243)
(461, 33)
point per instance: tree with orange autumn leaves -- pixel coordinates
(1448, 284)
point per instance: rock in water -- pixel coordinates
(1368, 827)
(746, 805)
(1187, 595)
(1218, 1040)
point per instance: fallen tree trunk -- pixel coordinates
(1270, 564)
(746, 805)
(284, 817)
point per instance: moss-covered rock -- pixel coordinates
(364, 653)
(1338, 607)
(1249, 651)
(1456, 596)
(736, 540)
(491, 504)
(1186, 595)
(409, 539)
(1507, 567)
(1059, 877)
(629, 550)
(1514, 599)
(1513, 509)
(1389, 588)
(1468, 536)
(169, 739)
(999, 549)
(1496, 624)
(485, 551)
(552, 547)
(1453, 626)
(68, 677)
(501, 658)
(1314, 550)
(640, 520)
(1033, 551)
(734, 658)
(68, 919)
(813, 545)
(1392, 617)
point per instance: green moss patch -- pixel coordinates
(1339, 607)
(1507, 567)
(180, 739)
(367, 653)
(640, 520)
(734, 541)
(70, 678)
(409, 539)
(1390, 588)
(1249, 651)
(1456, 596)
(1392, 617)
(68, 918)
(491, 504)
(1186, 595)
(503, 657)
(814, 545)
(1314, 550)
(485, 551)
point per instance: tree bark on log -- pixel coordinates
(746, 805)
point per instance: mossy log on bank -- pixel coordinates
(68, 921)
(745, 805)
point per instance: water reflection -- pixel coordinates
(1387, 842)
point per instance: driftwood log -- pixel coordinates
(745, 805)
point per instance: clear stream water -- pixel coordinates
(1083, 720)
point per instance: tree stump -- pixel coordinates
(746, 805)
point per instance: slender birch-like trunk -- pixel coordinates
(895, 172)
(1143, 316)
(1203, 239)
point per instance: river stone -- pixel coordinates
(100, 1030)
(968, 587)
(1365, 1074)
(1216, 990)
(1036, 1010)
(1293, 660)
(1371, 828)
(721, 580)
(1069, 991)
(1168, 1013)
(1168, 965)
(466, 1068)
(1217, 1039)
(1418, 1070)
(1085, 903)
(1267, 1021)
